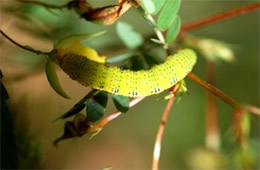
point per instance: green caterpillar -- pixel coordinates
(85, 66)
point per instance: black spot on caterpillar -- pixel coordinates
(85, 66)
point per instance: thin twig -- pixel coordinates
(44, 4)
(235, 105)
(112, 116)
(252, 109)
(220, 16)
(158, 141)
(157, 31)
(237, 127)
(22, 46)
(212, 131)
(215, 91)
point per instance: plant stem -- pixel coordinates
(158, 141)
(212, 132)
(22, 46)
(236, 123)
(44, 4)
(112, 116)
(252, 109)
(234, 104)
(157, 32)
(220, 16)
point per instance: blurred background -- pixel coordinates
(128, 141)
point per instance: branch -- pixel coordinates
(234, 104)
(220, 16)
(23, 46)
(112, 116)
(158, 142)
(212, 129)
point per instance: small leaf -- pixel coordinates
(75, 110)
(148, 6)
(152, 6)
(121, 103)
(151, 60)
(183, 89)
(157, 41)
(138, 63)
(213, 50)
(53, 79)
(167, 97)
(158, 5)
(128, 35)
(68, 41)
(95, 110)
(101, 98)
(79, 105)
(173, 30)
(119, 58)
(168, 13)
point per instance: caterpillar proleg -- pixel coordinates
(85, 66)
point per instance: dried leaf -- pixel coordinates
(106, 15)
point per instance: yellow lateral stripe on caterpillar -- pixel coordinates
(126, 82)
(79, 49)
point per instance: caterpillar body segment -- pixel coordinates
(90, 70)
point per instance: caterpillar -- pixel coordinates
(85, 66)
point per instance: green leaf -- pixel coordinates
(138, 63)
(119, 58)
(168, 13)
(213, 50)
(101, 98)
(95, 110)
(53, 79)
(156, 41)
(79, 105)
(148, 6)
(121, 103)
(151, 60)
(75, 110)
(173, 30)
(152, 6)
(67, 41)
(128, 35)
(158, 5)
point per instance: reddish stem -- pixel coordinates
(220, 16)
(215, 91)
(236, 122)
(158, 141)
(114, 115)
(212, 133)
